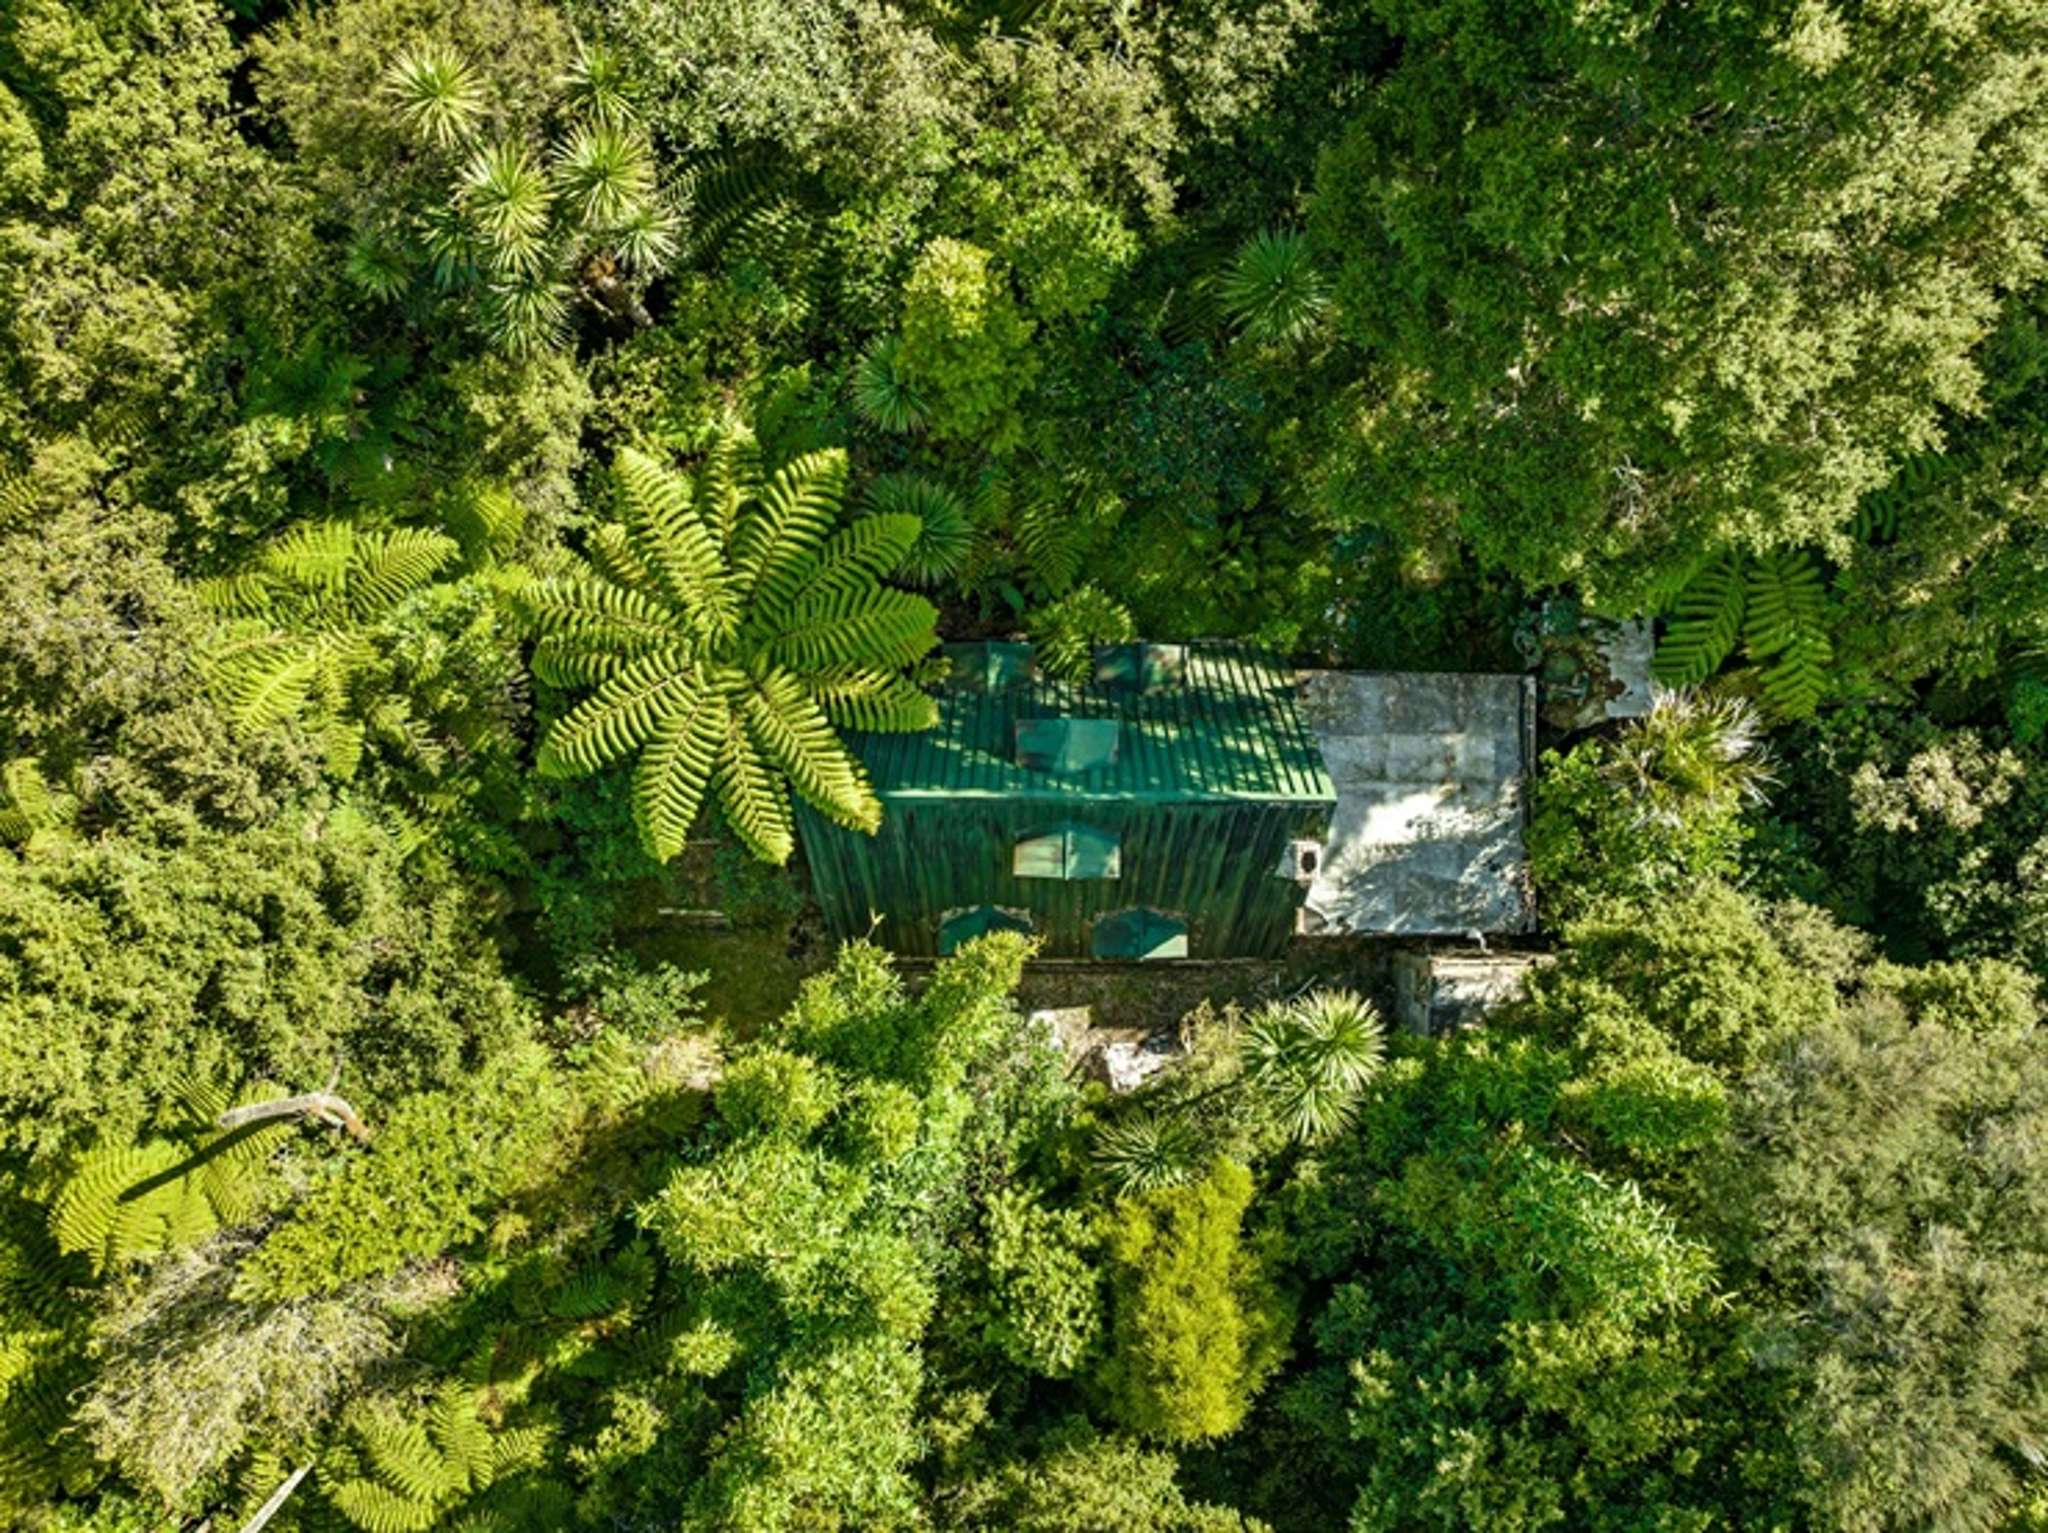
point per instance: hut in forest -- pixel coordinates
(1171, 806)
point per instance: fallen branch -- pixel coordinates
(322, 1106)
(277, 1499)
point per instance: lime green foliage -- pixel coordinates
(404, 1472)
(1197, 1322)
(1493, 1291)
(1045, 1304)
(818, 1256)
(1067, 252)
(1086, 1482)
(727, 629)
(1656, 808)
(306, 623)
(439, 1159)
(135, 964)
(1723, 981)
(774, 1092)
(965, 345)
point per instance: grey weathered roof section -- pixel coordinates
(1430, 771)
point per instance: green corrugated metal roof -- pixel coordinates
(1228, 731)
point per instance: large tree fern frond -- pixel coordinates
(1052, 539)
(315, 557)
(599, 617)
(879, 626)
(250, 594)
(385, 568)
(846, 569)
(669, 782)
(622, 715)
(729, 477)
(796, 737)
(881, 702)
(795, 511)
(262, 678)
(613, 556)
(1704, 625)
(674, 543)
(564, 660)
(1785, 630)
(753, 796)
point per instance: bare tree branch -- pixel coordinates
(277, 1499)
(323, 1106)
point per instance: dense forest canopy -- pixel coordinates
(465, 465)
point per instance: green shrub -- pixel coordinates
(437, 1164)
(1045, 1304)
(1197, 1323)
(966, 345)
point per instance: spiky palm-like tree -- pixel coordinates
(1691, 750)
(1146, 1152)
(727, 628)
(520, 230)
(303, 624)
(947, 534)
(1310, 1059)
(1273, 290)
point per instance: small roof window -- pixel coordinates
(1067, 747)
(963, 926)
(1067, 851)
(988, 667)
(1141, 667)
(1140, 934)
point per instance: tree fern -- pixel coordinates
(1704, 624)
(1785, 631)
(725, 627)
(39, 1455)
(1064, 633)
(406, 1470)
(484, 520)
(1046, 539)
(123, 1202)
(1775, 606)
(303, 622)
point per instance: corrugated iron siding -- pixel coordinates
(1212, 781)
(1216, 865)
